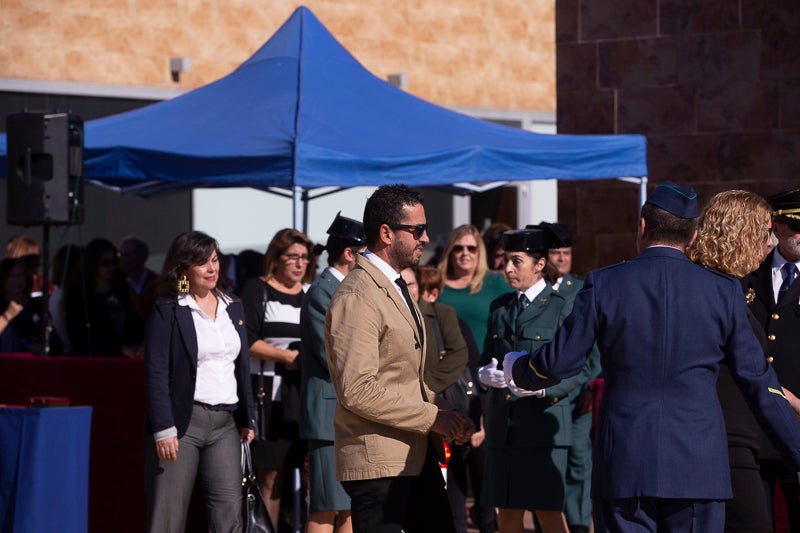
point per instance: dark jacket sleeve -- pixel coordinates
(158, 366)
(253, 302)
(245, 412)
(442, 370)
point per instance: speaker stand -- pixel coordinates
(46, 326)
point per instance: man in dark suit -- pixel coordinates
(774, 298)
(327, 498)
(663, 324)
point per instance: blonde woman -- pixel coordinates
(734, 236)
(469, 285)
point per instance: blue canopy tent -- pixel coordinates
(303, 114)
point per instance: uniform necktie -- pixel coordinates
(407, 295)
(523, 303)
(791, 274)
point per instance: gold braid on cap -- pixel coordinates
(788, 213)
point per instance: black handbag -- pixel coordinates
(255, 518)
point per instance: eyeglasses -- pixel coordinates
(471, 248)
(416, 229)
(292, 258)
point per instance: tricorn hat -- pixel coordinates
(536, 240)
(674, 199)
(562, 236)
(347, 229)
(786, 204)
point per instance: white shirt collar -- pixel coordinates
(384, 267)
(335, 273)
(189, 301)
(534, 290)
(778, 261)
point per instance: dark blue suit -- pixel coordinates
(171, 367)
(663, 325)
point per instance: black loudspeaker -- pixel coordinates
(44, 163)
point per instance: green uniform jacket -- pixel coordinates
(514, 422)
(317, 395)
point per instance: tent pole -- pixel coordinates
(305, 211)
(297, 193)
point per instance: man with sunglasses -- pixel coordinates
(773, 296)
(387, 431)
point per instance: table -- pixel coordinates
(44, 469)
(114, 388)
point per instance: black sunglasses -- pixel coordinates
(416, 229)
(471, 248)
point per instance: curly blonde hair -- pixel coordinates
(732, 233)
(447, 269)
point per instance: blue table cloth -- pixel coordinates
(44, 469)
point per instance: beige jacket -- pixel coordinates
(384, 410)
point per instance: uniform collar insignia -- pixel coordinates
(750, 297)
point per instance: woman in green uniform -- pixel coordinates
(528, 432)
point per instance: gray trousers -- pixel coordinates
(211, 448)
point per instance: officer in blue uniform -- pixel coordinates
(663, 324)
(528, 436)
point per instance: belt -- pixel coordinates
(218, 407)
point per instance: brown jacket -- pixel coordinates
(384, 411)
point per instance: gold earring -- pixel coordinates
(183, 285)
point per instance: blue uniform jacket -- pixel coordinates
(663, 325)
(171, 367)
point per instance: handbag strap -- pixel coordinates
(247, 464)
(264, 298)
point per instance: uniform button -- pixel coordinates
(536, 338)
(775, 316)
(771, 337)
(512, 338)
(508, 397)
(770, 359)
(554, 401)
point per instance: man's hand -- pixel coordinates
(453, 426)
(508, 363)
(489, 376)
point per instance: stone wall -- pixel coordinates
(712, 84)
(467, 53)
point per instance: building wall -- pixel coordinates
(712, 84)
(469, 53)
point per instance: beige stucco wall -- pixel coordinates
(497, 54)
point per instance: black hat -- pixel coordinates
(675, 199)
(786, 204)
(347, 229)
(562, 236)
(537, 240)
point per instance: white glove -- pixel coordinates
(523, 393)
(508, 363)
(489, 376)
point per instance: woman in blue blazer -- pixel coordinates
(197, 377)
